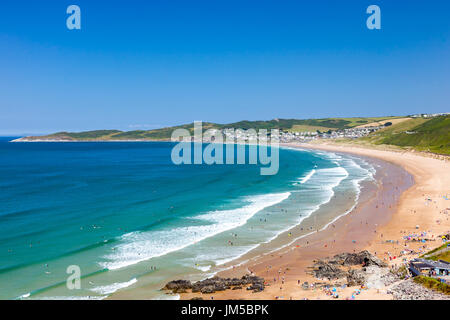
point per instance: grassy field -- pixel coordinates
(306, 128)
(438, 254)
(356, 122)
(432, 283)
(323, 125)
(382, 122)
(86, 135)
(422, 134)
(442, 256)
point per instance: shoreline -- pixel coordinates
(430, 179)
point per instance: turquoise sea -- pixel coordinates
(129, 218)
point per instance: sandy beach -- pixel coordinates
(405, 202)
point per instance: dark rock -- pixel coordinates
(356, 277)
(178, 285)
(256, 287)
(214, 284)
(208, 289)
(325, 270)
(364, 258)
(329, 268)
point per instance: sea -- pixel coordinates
(121, 216)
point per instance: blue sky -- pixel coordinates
(148, 64)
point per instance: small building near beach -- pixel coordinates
(429, 268)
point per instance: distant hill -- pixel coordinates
(165, 133)
(424, 134)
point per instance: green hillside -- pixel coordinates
(297, 124)
(86, 135)
(422, 134)
(165, 133)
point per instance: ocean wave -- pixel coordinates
(108, 289)
(203, 268)
(24, 296)
(72, 298)
(308, 176)
(139, 246)
(326, 179)
(369, 173)
(27, 295)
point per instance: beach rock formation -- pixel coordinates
(372, 277)
(356, 277)
(326, 270)
(178, 286)
(373, 269)
(214, 284)
(364, 258)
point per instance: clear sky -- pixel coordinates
(148, 64)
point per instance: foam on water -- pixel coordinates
(71, 298)
(308, 176)
(24, 296)
(138, 246)
(368, 173)
(203, 268)
(108, 289)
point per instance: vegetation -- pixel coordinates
(86, 135)
(434, 250)
(438, 253)
(322, 125)
(422, 134)
(441, 256)
(433, 284)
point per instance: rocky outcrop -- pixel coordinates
(373, 271)
(256, 286)
(214, 284)
(356, 277)
(178, 286)
(364, 258)
(325, 270)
